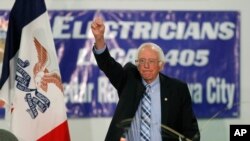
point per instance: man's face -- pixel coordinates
(148, 64)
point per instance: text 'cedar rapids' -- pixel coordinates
(218, 90)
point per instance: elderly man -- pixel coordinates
(152, 100)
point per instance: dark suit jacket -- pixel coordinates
(176, 111)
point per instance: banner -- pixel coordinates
(201, 48)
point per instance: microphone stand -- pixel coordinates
(174, 133)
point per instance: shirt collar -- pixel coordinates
(154, 83)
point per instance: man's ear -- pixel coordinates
(161, 64)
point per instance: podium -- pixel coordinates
(166, 131)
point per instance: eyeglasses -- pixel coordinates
(143, 61)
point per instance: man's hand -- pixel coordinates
(98, 29)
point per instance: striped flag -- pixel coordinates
(31, 84)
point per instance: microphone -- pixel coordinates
(124, 124)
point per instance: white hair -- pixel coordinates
(153, 46)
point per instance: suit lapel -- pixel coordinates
(165, 91)
(139, 94)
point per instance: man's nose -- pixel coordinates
(146, 65)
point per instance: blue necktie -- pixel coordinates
(145, 116)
